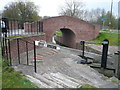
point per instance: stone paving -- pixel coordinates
(58, 69)
(111, 49)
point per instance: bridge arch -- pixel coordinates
(72, 28)
(68, 37)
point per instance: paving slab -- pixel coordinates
(60, 70)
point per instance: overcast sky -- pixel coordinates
(52, 7)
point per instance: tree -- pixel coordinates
(21, 10)
(73, 8)
(118, 23)
(111, 20)
(94, 14)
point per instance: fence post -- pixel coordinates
(18, 50)
(10, 52)
(6, 48)
(3, 47)
(27, 52)
(104, 53)
(35, 57)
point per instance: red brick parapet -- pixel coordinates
(22, 44)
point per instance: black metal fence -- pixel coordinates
(6, 51)
(13, 27)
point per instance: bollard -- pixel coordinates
(104, 53)
(83, 47)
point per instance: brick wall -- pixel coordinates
(30, 27)
(33, 27)
(22, 44)
(77, 29)
(82, 29)
(13, 25)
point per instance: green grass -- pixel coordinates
(58, 33)
(16, 36)
(11, 79)
(112, 37)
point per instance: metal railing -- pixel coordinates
(14, 27)
(6, 51)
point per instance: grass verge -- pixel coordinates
(11, 79)
(112, 37)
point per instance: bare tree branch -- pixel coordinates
(73, 8)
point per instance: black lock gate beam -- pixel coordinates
(105, 44)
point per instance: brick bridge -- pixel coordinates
(73, 29)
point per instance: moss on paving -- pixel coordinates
(86, 87)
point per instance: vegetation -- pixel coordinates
(0, 69)
(111, 20)
(58, 33)
(11, 79)
(16, 36)
(73, 8)
(95, 16)
(76, 9)
(21, 10)
(107, 73)
(86, 87)
(112, 37)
